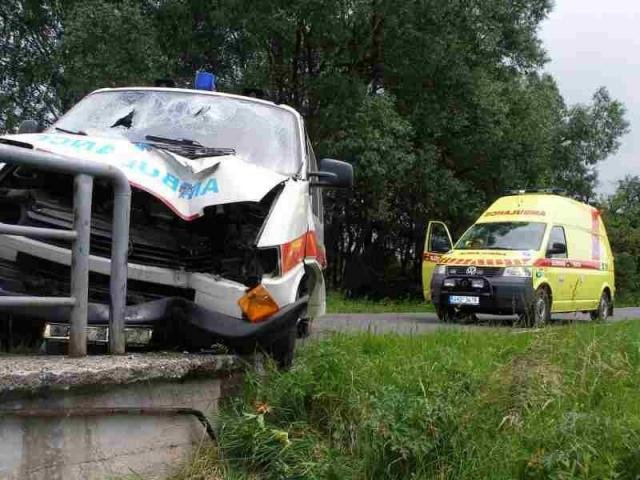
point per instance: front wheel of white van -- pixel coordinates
(282, 350)
(601, 314)
(539, 312)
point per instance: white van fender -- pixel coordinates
(284, 289)
(316, 288)
(288, 218)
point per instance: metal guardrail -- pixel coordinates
(84, 172)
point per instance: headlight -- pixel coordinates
(441, 269)
(517, 272)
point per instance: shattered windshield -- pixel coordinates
(503, 236)
(258, 133)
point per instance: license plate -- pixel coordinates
(138, 336)
(459, 300)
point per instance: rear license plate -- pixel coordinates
(460, 300)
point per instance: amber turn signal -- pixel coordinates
(257, 304)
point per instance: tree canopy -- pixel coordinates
(441, 105)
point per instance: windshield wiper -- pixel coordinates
(188, 148)
(64, 130)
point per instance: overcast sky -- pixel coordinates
(593, 43)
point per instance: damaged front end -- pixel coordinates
(185, 276)
(222, 231)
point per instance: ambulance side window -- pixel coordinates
(557, 246)
(439, 242)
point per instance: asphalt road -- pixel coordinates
(408, 323)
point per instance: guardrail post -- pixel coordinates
(83, 187)
(82, 193)
(119, 269)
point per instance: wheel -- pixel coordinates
(446, 314)
(466, 318)
(602, 313)
(304, 328)
(539, 312)
(283, 348)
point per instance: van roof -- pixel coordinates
(541, 207)
(200, 92)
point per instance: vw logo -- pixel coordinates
(471, 270)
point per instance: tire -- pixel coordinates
(539, 312)
(282, 350)
(604, 306)
(466, 318)
(446, 314)
(303, 329)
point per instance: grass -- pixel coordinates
(337, 302)
(557, 403)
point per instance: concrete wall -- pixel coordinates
(106, 446)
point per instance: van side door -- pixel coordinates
(562, 278)
(317, 208)
(437, 243)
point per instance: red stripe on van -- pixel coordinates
(567, 263)
(431, 257)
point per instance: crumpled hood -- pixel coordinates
(488, 258)
(186, 186)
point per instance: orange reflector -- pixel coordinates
(292, 254)
(257, 304)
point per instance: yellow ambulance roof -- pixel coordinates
(536, 207)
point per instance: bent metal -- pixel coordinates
(186, 189)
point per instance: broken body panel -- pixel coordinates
(204, 230)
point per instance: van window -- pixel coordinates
(439, 241)
(557, 246)
(503, 236)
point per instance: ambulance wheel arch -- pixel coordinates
(537, 313)
(609, 292)
(545, 282)
(315, 288)
(542, 281)
(547, 287)
(604, 308)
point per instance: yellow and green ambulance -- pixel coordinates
(531, 253)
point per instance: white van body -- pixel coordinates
(261, 172)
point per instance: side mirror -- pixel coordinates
(557, 249)
(29, 126)
(333, 174)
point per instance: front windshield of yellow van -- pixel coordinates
(503, 236)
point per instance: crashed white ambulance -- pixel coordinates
(226, 237)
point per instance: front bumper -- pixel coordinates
(185, 310)
(180, 323)
(500, 295)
